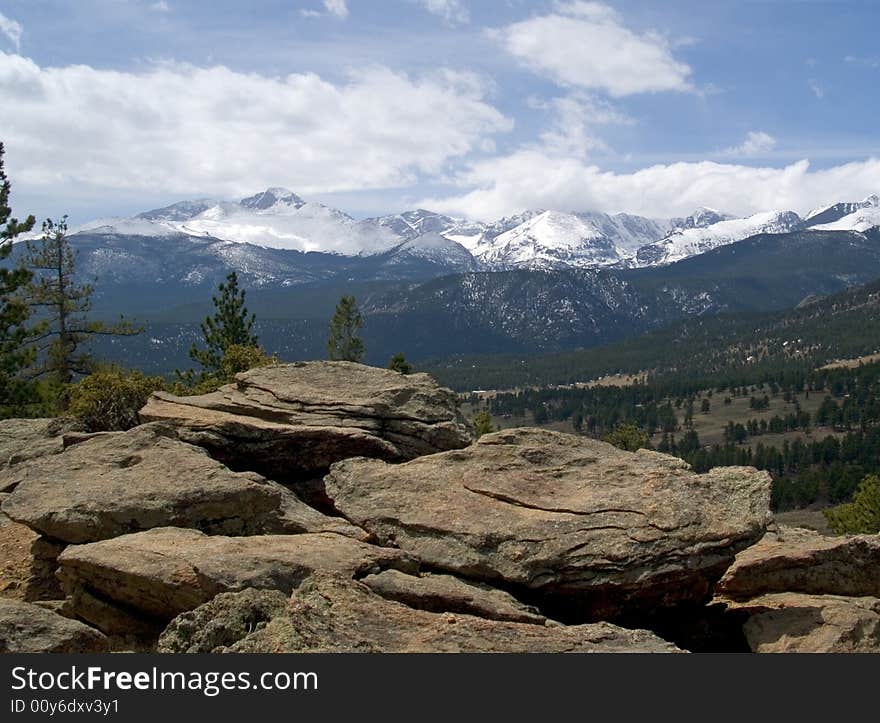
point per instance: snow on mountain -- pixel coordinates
(552, 240)
(836, 212)
(701, 232)
(863, 216)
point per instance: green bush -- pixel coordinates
(862, 515)
(483, 423)
(236, 359)
(110, 398)
(628, 437)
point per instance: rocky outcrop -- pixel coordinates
(799, 591)
(292, 421)
(791, 559)
(611, 531)
(22, 440)
(333, 614)
(444, 593)
(26, 628)
(798, 623)
(27, 563)
(120, 482)
(153, 576)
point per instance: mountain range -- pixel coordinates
(275, 238)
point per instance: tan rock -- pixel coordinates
(295, 420)
(332, 614)
(792, 559)
(121, 482)
(160, 573)
(798, 623)
(22, 440)
(564, 515)
(444, 593)
(26, 628)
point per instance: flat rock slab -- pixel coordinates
(444, 593)
(564, 515)
(797, 560)
(22, 440)
(294, 420)
(121, 482)
(163, 572)
(331, 614)
(26, 628)
(797, 623)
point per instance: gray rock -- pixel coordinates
(26, 628)
(294, 420)
(120, 482)
(333, 614)
(567, 516)
(158, 574)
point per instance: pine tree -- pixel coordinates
(399, 363)
(14, 313)
(63, 306)
(483, 423)
(344, 343)
(231, 325)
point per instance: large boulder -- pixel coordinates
(800, 591)
(333, 614)
(798, 623)
(120, 482)
(792, 559)
(22, 440)
(612, 532)
(155, 575)
(27, 563)
(26, 628)
(448, 594)
(292, 421)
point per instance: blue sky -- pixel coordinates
(471, 107)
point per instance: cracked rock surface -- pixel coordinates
(165, 571)
(560, 514)
(333, 614)
(295, 420)
(121, 482)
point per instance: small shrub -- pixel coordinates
(399, 363)
(236, 359)
(628, 437)
(862, 515)
(110, 398)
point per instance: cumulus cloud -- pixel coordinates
(11, 29)
(185, 129)
(339, 8)
(572, 131)
(586, 45)
(452, 11)
(755, 144)
(529, 178)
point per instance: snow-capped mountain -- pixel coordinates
(703, 231)
(838, 211)
(861, 216)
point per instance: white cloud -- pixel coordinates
(585, 44)
(11, 29)
(337, 8)
(572, 131)
(185, 129)
(160, 7)
(529, 178)
(817, 89)
(452, 11)
(755, 144)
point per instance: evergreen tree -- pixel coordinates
(483, 423)
(862, 515)
(63, 306)
(230, 325)
(14, 313)
(344, 343)
(399, 363)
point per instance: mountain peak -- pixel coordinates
(272, 197)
